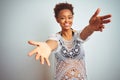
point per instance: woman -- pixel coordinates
(67, 44)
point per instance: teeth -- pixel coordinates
(66, 24)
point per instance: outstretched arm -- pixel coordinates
(43, 50)
(96, 23)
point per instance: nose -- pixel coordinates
(66, 20)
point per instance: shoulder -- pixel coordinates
(77, 31)
(77, 35)
(54, 36)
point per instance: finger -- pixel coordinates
(42, 60)
(96, 13)
(106, 16)
(34, 43)
(37, 56)
(106, 21)
(47, 61)
(101, 28)
(32, 52)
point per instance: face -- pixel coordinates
(65, 19)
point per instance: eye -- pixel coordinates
(62, 18)
(70, 17)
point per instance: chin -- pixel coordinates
(67, 28)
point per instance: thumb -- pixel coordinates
(34, 43)
(96, 12)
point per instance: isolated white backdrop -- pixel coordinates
(23, 20)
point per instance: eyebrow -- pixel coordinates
(65, 16)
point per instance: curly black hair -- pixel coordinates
(61, 6)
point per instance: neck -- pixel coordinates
(67, 34)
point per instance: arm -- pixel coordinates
(96, 23)
(43, 50)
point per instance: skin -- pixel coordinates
(65, 20)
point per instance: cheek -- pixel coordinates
(71, 21)
(61, 22)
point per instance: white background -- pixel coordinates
(23, 20)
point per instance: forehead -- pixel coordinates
(65, 12)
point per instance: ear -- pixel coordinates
(57, 19)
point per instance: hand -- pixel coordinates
(97, 22)
(42, 51)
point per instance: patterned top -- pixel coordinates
(69, 58)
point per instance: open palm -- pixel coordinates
(42, 51)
